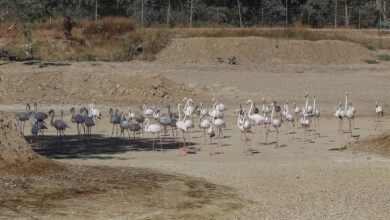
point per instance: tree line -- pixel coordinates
(203, 13)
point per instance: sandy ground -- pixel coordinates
(296, 181)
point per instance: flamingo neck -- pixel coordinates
(250, 109)
(272, 113)
(346, 103)
(178, 110)
(314, 104)
(307, 101)
(147, 124)
(52, 119)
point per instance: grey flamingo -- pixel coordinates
(78, 119)
(21, 118)
(59, 124)
(37, 127)
(40, 116)
(115, 120)
(89, 123)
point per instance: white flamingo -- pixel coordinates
(211, 134)
(147, 112)
(316, 114)
(203, 111)
(182, 127)
(308, 108)
(155, 129)
(288, 116)
(257, 118)
(339, 113)
(379, 112)
(204, 124)
(219, 123)
(131, 115)
(245, 128)
(220, 106)
(297, 111)
(266, 108)
(189, 124)
(188, 109)
(305, 123)
(216, 112)
(276, 123)
(349, 114)
(94, 112)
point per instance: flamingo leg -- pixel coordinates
(153, 142)
(161, 141)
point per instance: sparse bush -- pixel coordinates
(371, 61)
(384, 57)
(369, 46)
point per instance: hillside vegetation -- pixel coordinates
(121, 39)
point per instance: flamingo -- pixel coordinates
(189, 124)
(130, 115)
(37, 127)
(349, 114)
(203, 111)
(305, 123)
(245, 127)
(124, 126)
(297, 111)
(210, 132)
(266, 108)
(78, 119)
(173, 118)
(59, 125)
(316, 114)
(182, 127)
(289, 117)
(379, 112)
(276, 123)
(23, 117)
(94, 112)
(257, 118)
(89, 123)
(339, 113)
(154, 129)
(219, 123)
(188, 109)
(308, 108)
(220, 106)
(147, 111)
(40, 116)
(204, 124)
(115, 120)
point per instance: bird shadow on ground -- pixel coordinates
(73, 147)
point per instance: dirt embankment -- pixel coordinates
(79, 83)
(376, 144)
(14, 150)
(264, 51)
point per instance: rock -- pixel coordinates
(157, 83)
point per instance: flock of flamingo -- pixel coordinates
(269, 117)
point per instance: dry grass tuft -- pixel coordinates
(108, 28)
